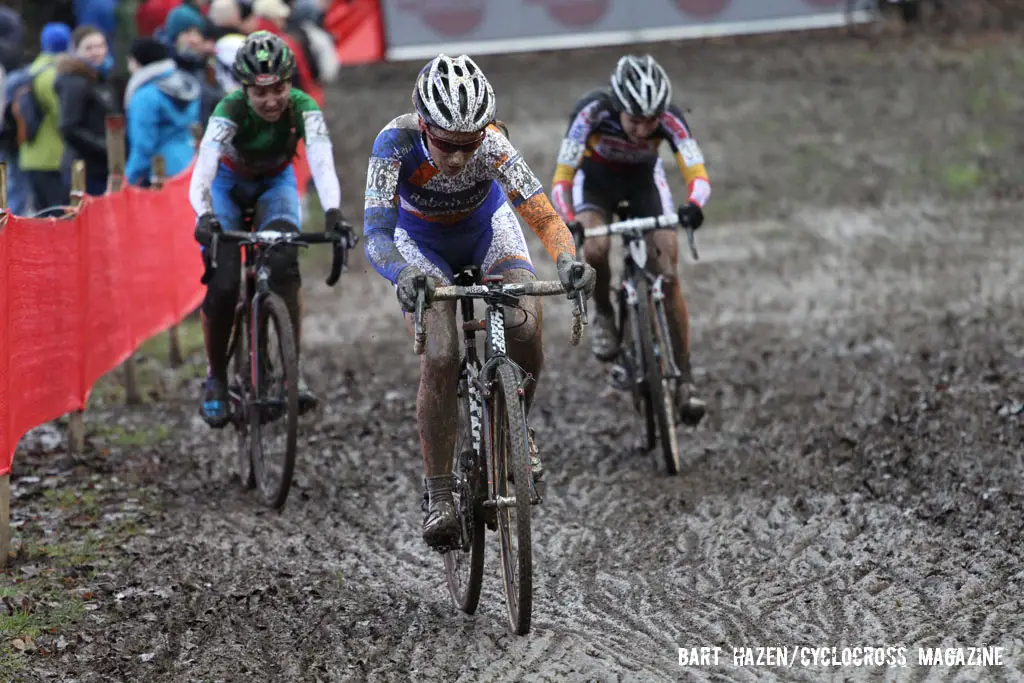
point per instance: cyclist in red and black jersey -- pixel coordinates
(610, 154)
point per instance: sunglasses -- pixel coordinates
(451, 147)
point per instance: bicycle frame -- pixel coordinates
(635, 266)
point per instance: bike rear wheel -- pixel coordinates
(274, 412)
(659, 405)
(242, 383)
(464, 566)
(508, 445)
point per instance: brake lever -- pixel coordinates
(214, 241)
(693, 245)
(420, 341)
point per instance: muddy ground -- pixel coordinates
(859, 480)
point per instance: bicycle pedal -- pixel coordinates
(620, 378)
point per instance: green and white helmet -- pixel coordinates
(263, 59)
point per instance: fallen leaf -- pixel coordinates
(18, 644)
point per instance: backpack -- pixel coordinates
(23, 114)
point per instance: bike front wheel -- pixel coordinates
(659, 403)
(243, 386)
(510, 476)
(274, 410)
(464, 566)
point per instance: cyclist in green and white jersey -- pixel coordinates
(248, 147)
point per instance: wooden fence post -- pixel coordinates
(156, 182)
(5, 480)
(76, 422)
(116, 155)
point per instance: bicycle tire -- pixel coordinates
(660, 401)
(510, 454)
(641, 398)
(274, 494)
(470, 490)
(243, 381)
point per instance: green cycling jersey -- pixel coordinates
(256, 145)
(253, 147)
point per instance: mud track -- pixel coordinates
(857, 329)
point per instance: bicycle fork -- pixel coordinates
(663, 340)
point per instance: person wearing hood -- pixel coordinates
(86, 98)
(161, 104)
(40, 158)
(185, 33)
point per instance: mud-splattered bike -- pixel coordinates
(264, 385)
(492, 480)
(646, 365)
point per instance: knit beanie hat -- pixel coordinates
(55, 37)
(148, 50)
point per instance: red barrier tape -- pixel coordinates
(78, 296)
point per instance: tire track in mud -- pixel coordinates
(853, 483)
(769, 537)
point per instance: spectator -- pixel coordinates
(152, 14)
(85, 99)
(98, 13)
(19, 192)
(192, 52)
(41, 157)
(272, 16)
(11, 37)
(226, 18)
(224, 60)
(317, 44)
(161, 104)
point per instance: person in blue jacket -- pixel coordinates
(162, 102)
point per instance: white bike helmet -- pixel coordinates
(454, 95)
(640, 86)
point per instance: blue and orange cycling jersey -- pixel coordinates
(405, 190)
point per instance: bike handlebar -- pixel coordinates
(494, 291)
(271, 238)
(636, 227)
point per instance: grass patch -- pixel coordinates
(47, 588)
(122, 437)
(961, 179)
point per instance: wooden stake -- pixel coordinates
(76, 422)
(156, 182)
(5, 519)
(115, 181)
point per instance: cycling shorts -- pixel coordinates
(600, 187)
(490, 238)
(277, 198)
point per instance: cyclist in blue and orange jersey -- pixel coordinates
(610, 154)
(442, 192)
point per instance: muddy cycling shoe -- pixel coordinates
(307, 399)
(215, 408)
(691, 409)
(604, 343)
(441, 525)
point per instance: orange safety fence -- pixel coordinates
(79, 295)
